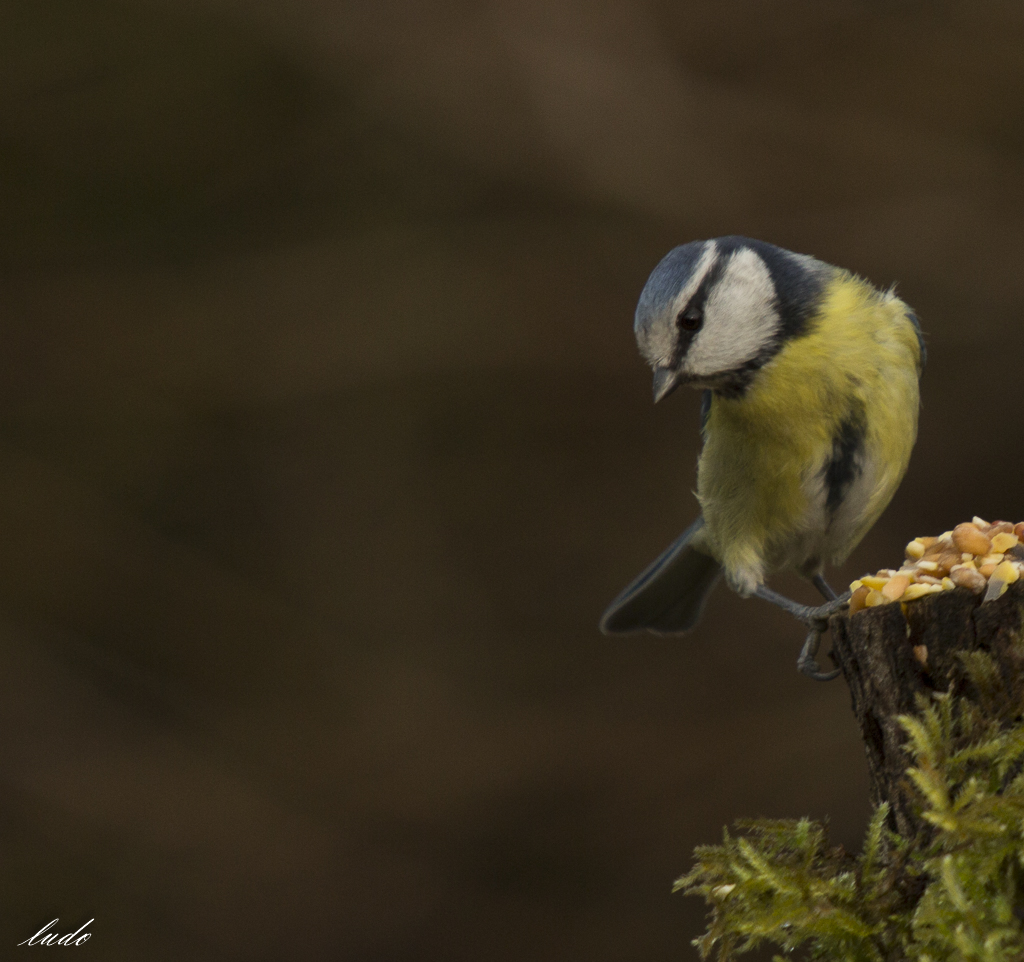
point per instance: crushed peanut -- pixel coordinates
(969, 577)
(969, 538)
(895, 587)
(859, 597)
(983, 557)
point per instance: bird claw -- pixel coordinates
(817, 620)
(806, 663)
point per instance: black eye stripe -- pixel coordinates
(700, 296)
(695, 310)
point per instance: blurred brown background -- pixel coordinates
(324, 442)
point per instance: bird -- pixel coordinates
(809, 410)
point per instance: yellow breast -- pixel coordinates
(760, 478)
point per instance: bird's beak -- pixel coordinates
(665, 381)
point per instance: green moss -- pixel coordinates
(956, 891)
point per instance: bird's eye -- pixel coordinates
(690, 320)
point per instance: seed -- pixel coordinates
(946, 561)
(967, 537)
(1004, 541)
(877, 582)
(1003, 576)
(964, 576)
(1006, 572)
(978, 555)
(996, 589)
(915, 549)
(921, 653)
(895, 587)
(857, 598)
(854, 585)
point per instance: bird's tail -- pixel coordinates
(670, 594)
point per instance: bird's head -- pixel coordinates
(714, 312)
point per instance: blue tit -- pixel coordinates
(809, 412)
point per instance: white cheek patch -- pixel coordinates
(740, 318)
(659, 340)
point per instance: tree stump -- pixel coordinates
(889, 659)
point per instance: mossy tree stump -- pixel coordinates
(938, 690)
(890, 658)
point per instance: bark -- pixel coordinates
(875, 649)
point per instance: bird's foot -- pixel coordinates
(816, 619)
(805, 662)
